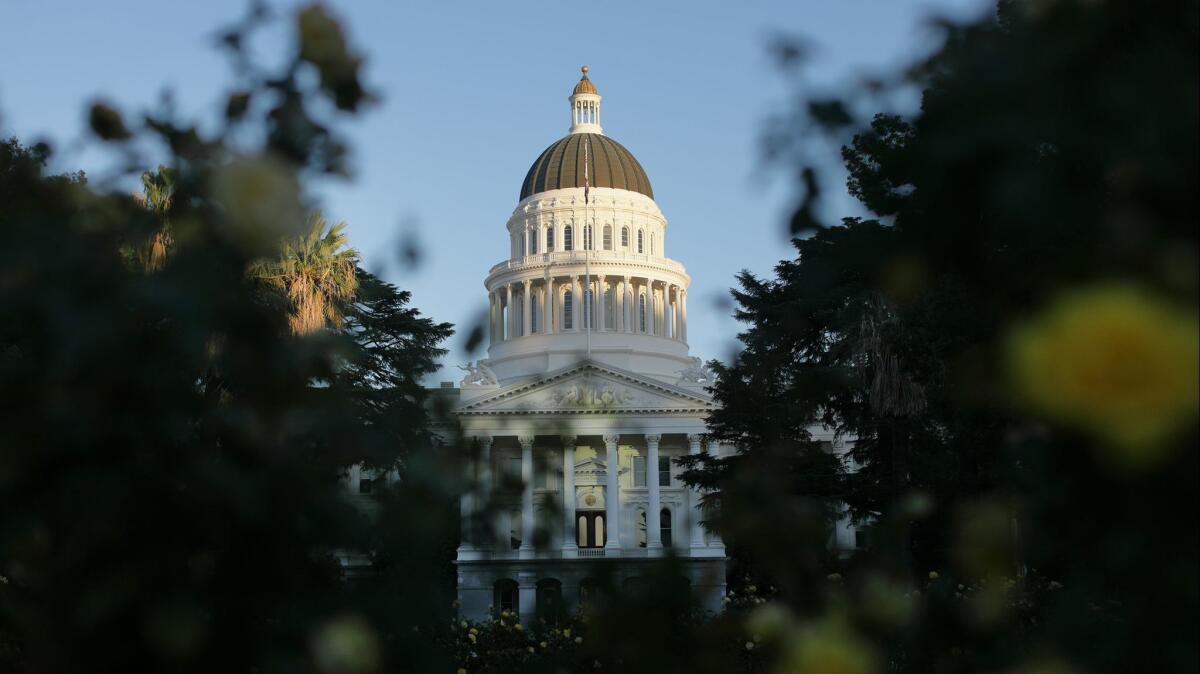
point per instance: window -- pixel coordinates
(639, 471)
(664, 471)
(589, 529)
(610, 309)
(587, 238)
(624, 237)
(642, 313)
(533, 241)
(641, 528)
(608, 237)
(568, 238)
(520, 241)
(540, 477)
(862, 538)
(534, 328)
(664, 525)
(505, 598)
(549, 601)
(549, 239)
(514, 529)
(641, 241)
(568, 310)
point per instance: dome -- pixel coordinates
(585, 85)
(609, 165)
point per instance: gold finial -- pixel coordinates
(584, 70)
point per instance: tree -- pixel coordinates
(1047, 178)
(316, 273)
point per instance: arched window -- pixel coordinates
(505, 595)
(641, 241)
(549, 601)
(608, 237)
(549, 238)
(534, 326)
(589, 590)
(520, 241)
(664, 525)
(568, 238)
(568, 310)
(587, 238)
(533, 241)
(624, 237)
(642, 312)
(641, 528)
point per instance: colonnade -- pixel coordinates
(629, 304)
(482, 474)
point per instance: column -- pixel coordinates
(485, 489)
(491, 318)
(548, 311)
(612, 497)
(467, 506)
(683, 314)
(527, 304)
(694, 512)
(569, 548)
(674, 312)
(526, 550)
(577, 296)
(627, 301)
(510, 316)
(714, 450)
(600, 308)
(653, 532)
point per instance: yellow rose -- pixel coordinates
(828, 647)
(1115, 361)
(346, 644)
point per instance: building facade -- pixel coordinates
(588, 392)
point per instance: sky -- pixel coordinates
(472, 92)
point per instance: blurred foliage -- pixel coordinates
(169, 473)
(1009, 342)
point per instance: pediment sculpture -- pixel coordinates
(588, 394)
(478, 374)
(696, 373)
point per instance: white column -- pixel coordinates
(694, 512)
(600, 299)
(612, 497)
(653, 532)
(485, 488)
(526, 306)
(467, 506)
(576, 303)
(683, 331)
(526, 550)
(548, 312)
(569, 548)
(511, 314)
(492, 318)
(674, 312)
(627, 301)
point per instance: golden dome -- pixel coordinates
(585, 85)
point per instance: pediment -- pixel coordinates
(589, 388)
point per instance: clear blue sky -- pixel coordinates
(472, 93)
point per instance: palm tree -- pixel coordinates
(158, 188)
(316, 273)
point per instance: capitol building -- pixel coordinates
(587, 394)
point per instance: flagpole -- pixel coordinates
(589, 298)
